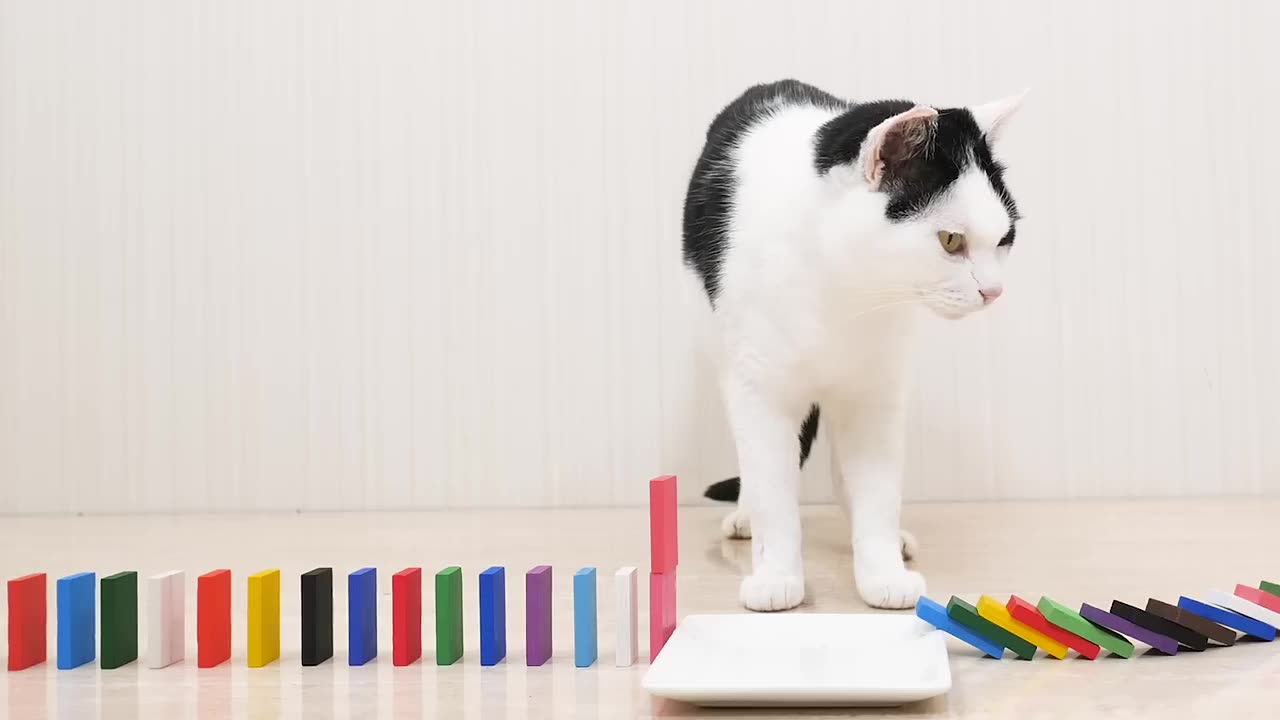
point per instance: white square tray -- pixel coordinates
(753, 659)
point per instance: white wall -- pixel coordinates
(324, 254)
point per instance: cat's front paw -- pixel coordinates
(767, 593)
(893, 589)
(736, 525)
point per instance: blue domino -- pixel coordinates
(362, 616)
(584, 617)
(76, 617)
(936, 615)
(493, 615)
(1229, 618)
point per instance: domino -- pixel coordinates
(585, 645)
(1027, 614)
(1097, 616)
(625, 617)
(119, 620)
(936, 615)
(362, 616)
(1233, 620)
(28, 621)
(1191, 621)
(213, 618)
(1259, 597)
(664, 553)
(317, 616)
(968, 616)
(1071, 621)
(1185, 637)
(662, 611)
(1273, 588)
(166, 619)
(76, 620)
(406, 617)
(493, 615)
(995, 612)
(264, 618)
(1244, 607)
(537, 611)
(449, 615)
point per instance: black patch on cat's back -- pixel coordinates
(709, 199)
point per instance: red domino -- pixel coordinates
(406, 616)
(28, 617)
(664, 552)
(1027, 614)
(662, 611)
(1259, 597)
(213, 618)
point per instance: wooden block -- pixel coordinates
(968, 616)
(264, 618)
(1273, 588)
(1187, 619)
(1227, 618)
(1027, 614)
(585, 644)
(213, 618)
(406, 616)
(626, 617)
(362, 616)
(662, 611)
(936, 615)
(1244, 607)
(1071, 621)
(664, 541)
(1259, 597)
(76, 620)
(537, 615)
(166, 622)
(997, 613)
(119, 607)
(317, 616)
(493, 615)
(1185, 637)
(1115, 623)
(449, 635)
(28, 621)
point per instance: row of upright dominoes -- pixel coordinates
(28, 612)
(1055, 628)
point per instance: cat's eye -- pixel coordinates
(951, 242)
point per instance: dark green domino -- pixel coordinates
(967, 615)
(119, 619)
(1070, 620)
(1270, 587)
(448, 615)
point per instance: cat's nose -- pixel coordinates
(989, 294)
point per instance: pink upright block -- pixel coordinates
(664, 552)
(662, 611)
(1259, 597)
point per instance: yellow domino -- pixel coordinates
(264, 618)
(992, 610)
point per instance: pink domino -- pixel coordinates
(1259, 597)
(663, 537)
(662, 611)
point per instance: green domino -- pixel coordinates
(1070, 620)
(1270, 587)
(967, 615)
(448, 615)
(119, 619)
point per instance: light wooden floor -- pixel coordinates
(1075, 552)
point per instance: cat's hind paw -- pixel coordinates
(768, 593)
(893, 589)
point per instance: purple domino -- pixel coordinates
(537, 611)
(1115, 623)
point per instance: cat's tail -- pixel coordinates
(729, 490)
(724, 491)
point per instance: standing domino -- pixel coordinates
(585, 645)
(264, 618)
(317, 616)
(166, 613)
(449, 636)
(362, 616)
(537, 615)
(625, 617)
(119, 607)
(664, 559)
(493, 615)
(76, 619)
(28, 620)
(406, 616)
(213, 618)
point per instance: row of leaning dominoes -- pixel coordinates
(1193, 623)
(166, 622)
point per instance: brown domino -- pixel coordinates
(1191, 621)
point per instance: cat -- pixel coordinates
(818, 227)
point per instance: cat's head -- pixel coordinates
(949, 218)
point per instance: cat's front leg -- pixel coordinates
(767, 444)
(869, 436)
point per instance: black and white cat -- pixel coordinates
(818, 227)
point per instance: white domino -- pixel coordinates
(166, 611)
(1244, 607)
(625, 620)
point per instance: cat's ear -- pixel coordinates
(991, 117)
(895, 141)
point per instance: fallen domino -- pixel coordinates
(998, 614)
(1259, 597)
(936, 615)
(1184, 636)
(1115, 623)
(967, 615)
(1228, 618)
(1071, 621)
(1244, 607)
(1027, 614)
(1273, 588)
(1212, 630)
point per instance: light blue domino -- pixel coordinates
(1230, 618)
(936, 615)
(584, 617)
(76, 620)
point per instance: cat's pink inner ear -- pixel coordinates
(991, 117)
(895, 129)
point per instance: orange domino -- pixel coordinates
(1259, 597)
(1027, 614)
(664, 553)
